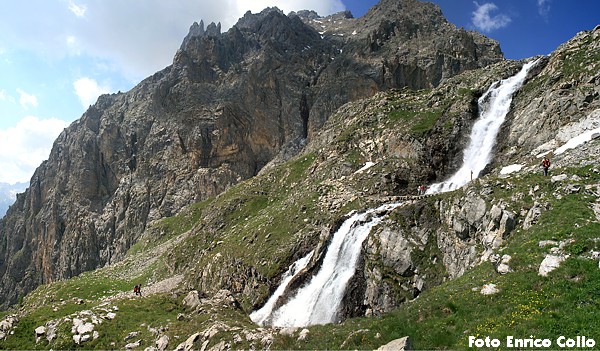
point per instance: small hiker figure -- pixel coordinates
(418, 190)
(140, 289)
(136, 289)
(546, 165)
(422, 190)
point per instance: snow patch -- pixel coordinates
(511, 169)
(571, 135)
(577, 141)
(365, 167)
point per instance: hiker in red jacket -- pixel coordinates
(546, 165)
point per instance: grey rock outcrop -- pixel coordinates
(446, 239)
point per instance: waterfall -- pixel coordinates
(319, 300)
(493, 107)
(262, 315)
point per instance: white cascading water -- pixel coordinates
(493, 107)
(318, 302)
(262, 315)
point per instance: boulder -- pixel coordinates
(131, 335)
(162, 343)
(40, 331)
(303, 334)
(489, 289)
(503, 266)
(133, 345)
(85, 328)
(534, 214)
(550, 263)
(188, 344)
(402, 344)
(192, 300)
(76, 323)
(559, 178)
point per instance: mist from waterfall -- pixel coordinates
(494, 105)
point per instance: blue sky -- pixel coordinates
(57, 59)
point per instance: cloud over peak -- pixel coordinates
(24, 146)
(88, 91)
(484, 19)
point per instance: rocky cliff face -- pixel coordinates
(563, 102)
(229, 104)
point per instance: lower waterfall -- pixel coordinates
(318, 302)
(263, 315)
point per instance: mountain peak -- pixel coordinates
(396, 8)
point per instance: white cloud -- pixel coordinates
(26, 99)
(5, 97)
(320, 6)
(544, 7)
(88, 91)
(138, 37)
(78, 10)
(485, 21)
(24, 146)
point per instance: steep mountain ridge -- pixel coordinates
(8, 195)
(229, 104)
(220, 259)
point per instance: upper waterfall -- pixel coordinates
(494, 105)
